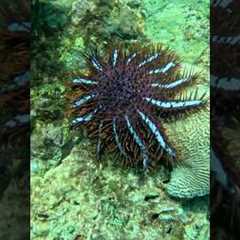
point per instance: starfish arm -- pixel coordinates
(82, 100)
(176, 82)
(81, 81)
(139, 143)
(114, 57)
(83, 119)
(116, 137)
(149, 59)
(99, 143)
(172, 85)
(97, 65)
(175, 104)
(130, 58)
(157, 133)
(163, 69)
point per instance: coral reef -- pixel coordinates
(73, 197)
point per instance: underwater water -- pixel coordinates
(73, 196)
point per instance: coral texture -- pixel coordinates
(191, 178)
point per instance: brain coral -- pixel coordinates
(191, 177)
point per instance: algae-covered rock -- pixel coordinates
(80, 198)
(50, 144)
(44, 104)
(182, 25)
(101, 21)
(81, 9)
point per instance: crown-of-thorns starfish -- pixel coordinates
(126, 96)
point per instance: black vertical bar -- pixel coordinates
(225, 119)
(15, 31)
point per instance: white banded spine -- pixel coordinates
(131, 58)
(79, 81)
(116, 137)
(139, 142)
(173, 104)
(83, 100)
(115, 55)
(96, 64)
(150, 59)
(157, 134)
(163, 69)
(171, 85)
(83, 119)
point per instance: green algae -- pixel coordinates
(105, 202)
(182, 25)
(73, 196)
